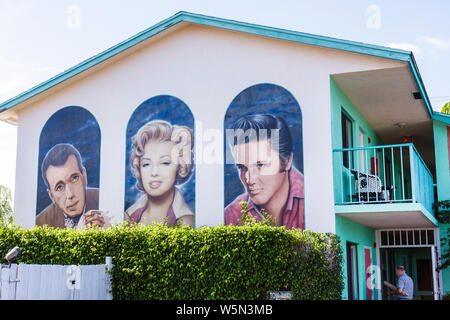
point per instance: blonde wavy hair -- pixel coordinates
(163, 131)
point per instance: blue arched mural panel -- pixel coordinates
(175, 115)
(256, 107)
(74, 128)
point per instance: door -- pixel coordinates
(384, 272)
(347, 140)
(368, 265)
(424, 277)
(391, 263)
(352, 271)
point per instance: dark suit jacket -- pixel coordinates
(54, 216)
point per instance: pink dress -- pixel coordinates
(177, 210)
(137, 215)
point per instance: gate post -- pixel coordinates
(8, 282)
(4, 283)
(109, 266)
(434, 268)
(13, 280)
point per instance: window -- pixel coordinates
(347, 139)
(352, 271)
(411, 237)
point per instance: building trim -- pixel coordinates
(387, 207)
(441, 117)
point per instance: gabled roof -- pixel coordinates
(305, 38)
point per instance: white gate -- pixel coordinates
(55, 282)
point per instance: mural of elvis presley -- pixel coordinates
(262, 148)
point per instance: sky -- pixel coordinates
(41, 38)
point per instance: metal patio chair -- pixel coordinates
(368, 188)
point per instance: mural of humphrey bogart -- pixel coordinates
(74, 205)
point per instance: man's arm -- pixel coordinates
(400, 286)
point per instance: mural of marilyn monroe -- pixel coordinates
(161, 157)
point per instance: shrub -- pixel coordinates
(441, 211)
(224, 262)
(6, 212)
(446, 108)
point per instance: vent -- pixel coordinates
(417, 95)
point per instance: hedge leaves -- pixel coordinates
(224, 262)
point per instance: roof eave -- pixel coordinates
(316, 40)
(441, 117)
(91, 62)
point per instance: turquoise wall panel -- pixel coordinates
(363, 236)
(443, 184)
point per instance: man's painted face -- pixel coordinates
(259, 170)
(158, 168)
(67, 186)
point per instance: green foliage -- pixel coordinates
(248, 219)
(6, 211)
(441, 211)
(446, 108)
(224, 262)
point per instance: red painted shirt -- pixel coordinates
(293, 214)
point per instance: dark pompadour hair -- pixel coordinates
(57, 156)
(268, 123)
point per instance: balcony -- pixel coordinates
(384, 186)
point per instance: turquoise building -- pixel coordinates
(390, 166)
(373, 154)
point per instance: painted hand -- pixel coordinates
(94, 217)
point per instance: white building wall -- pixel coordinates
(206, 68)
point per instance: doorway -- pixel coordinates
(418, 265)
(415, 249)
(352, 271)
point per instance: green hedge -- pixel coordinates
(224, 262)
